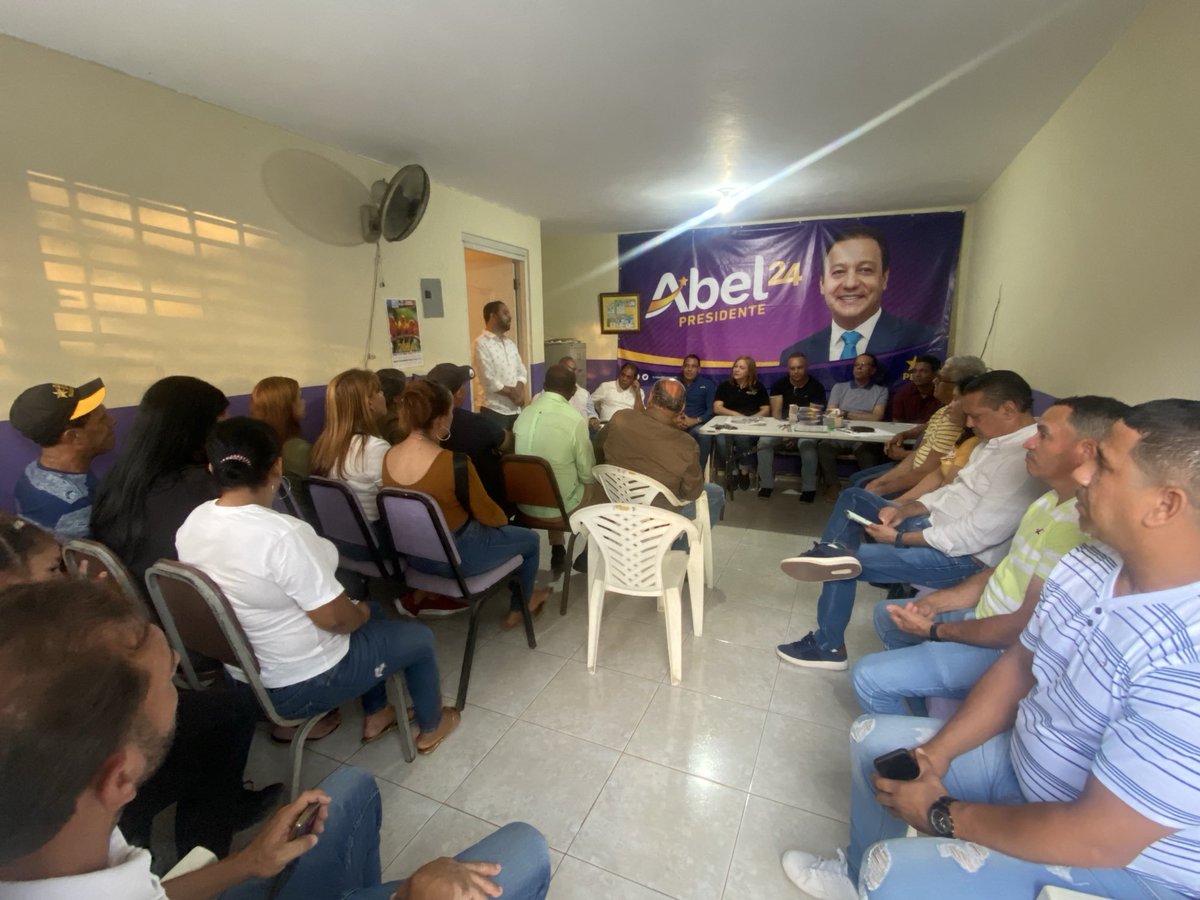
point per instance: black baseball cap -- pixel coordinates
(43, 412)
(450, 376)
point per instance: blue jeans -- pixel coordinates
(766, 462)
(378, 649)
(880, 563)
(860, 479)
(913, 669)
(483, 547)
(345, 863)
(742, 444)
(716, 503)
(902, 868)
(704, 441)
(893, 638)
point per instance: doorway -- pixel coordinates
(495, 272)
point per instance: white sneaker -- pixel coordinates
(825, 879)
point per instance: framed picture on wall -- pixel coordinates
(620, 313)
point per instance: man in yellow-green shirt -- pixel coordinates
(941, 644)
(551, 428)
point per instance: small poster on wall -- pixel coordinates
(405, 330)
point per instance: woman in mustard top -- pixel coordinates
(482, 533)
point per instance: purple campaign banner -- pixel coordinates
(755, 290)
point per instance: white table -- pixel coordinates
(766, 426)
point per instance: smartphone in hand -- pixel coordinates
(861, 520)
(898, 765)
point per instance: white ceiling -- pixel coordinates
(623, 114)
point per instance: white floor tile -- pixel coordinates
(730, 671)
(768, 829)
(746, 623)
(715, 739)
(438, 774)
(505, 678)
(404, 814)
(636, 648)
(604, 706)
(805, 765)
(542, 777)
(824, 697)
(577, 880)
(447, 833)
(664, 829)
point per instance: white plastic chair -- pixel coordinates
(631, 554)
(626, 486)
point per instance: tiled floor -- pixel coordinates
(643, 790)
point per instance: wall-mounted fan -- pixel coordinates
(396, 206)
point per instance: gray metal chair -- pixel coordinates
(101, 561)
(416, 528)
(339, 517)
(197, 616)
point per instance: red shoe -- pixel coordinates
(433, 606)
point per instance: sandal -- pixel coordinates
(450, 719)
(391, 726)
(330, 723)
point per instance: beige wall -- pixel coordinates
(576, 269)
(137, 240)
(1092, 231)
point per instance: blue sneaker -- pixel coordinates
(826, 561)
(807, 652)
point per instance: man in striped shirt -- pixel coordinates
(1073, 762)
(940, 645)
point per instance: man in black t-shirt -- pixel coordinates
(480, 437)
(796, 389)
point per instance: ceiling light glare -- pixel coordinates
(728, 201)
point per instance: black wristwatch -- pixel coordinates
(933, 629)
(941, 822)
(899, 541)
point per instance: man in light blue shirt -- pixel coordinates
(859, 399)
(1073, 761)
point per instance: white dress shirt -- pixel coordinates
(866, 329)
(609, 398)
(128, 876)
(498, 365)
(977, 514)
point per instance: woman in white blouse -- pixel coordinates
(351, 447)
(315, 646)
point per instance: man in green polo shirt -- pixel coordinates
(551, 428)
(941, 644)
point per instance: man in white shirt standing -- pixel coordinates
(945, 537)
(502, 373)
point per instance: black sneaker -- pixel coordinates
(580, 564)
(808, 653)
(558, 558)
(808, 496)
(765, 493)
(824, 562)
(744, 481)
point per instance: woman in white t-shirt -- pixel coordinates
(316, 647)
(351, 447)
